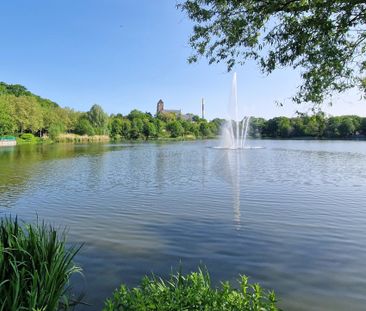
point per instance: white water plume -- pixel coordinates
(234, 131)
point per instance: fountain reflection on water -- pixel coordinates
(234, 133)
(228, 169)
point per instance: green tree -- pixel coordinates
(116, 127)
(256, 127)
(136, 114)
(126, 127)
(136, 128)
(84, 127)
(55, 130)
(284, 127)
(326, 39)
(13, 89)
(195, 129)
(28, 113)
(167, 116)
(160, 127)
(186, 126)
(69, 118)
(314, 125)
(175, 128)
(196, 118)
(53, 117)
(278, 127)
(149, 129)
(7, 120)
(98, 119)
(215, 125)
(332, 127)
(346, 127)
(298, 127)
(204, 129)
(363, 126)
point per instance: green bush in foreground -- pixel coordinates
(35, 267)
(191, 292)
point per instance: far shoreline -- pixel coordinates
(110, 140)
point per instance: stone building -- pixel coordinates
(187, 116)
(160, 109)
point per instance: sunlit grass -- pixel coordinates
(191, 292)
(35, 267)
(74, 138)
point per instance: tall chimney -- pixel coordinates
(203, 108)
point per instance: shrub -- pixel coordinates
(28, 137)
(35, 267)
(191, 292)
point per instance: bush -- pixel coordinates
(35, 267)
(190, 292)
(28, 137)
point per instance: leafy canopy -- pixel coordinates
(325, 39)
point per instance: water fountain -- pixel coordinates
(234, 131)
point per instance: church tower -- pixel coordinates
(159, 107)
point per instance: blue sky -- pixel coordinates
(126, 54)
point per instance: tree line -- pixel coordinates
(24, 112)
(316, 126)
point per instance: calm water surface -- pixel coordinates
(292, 216)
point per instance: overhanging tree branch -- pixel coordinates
(325, 38)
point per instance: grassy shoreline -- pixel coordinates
(75, 139)
(86, 139)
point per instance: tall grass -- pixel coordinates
(74, 138)
(191, 292)
(35, 267)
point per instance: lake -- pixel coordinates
(291, 215)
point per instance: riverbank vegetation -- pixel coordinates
(34, 119)
(191, 292)
(22, 112)
(35, 267)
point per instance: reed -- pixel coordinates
(35, 267)
(74, 138)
